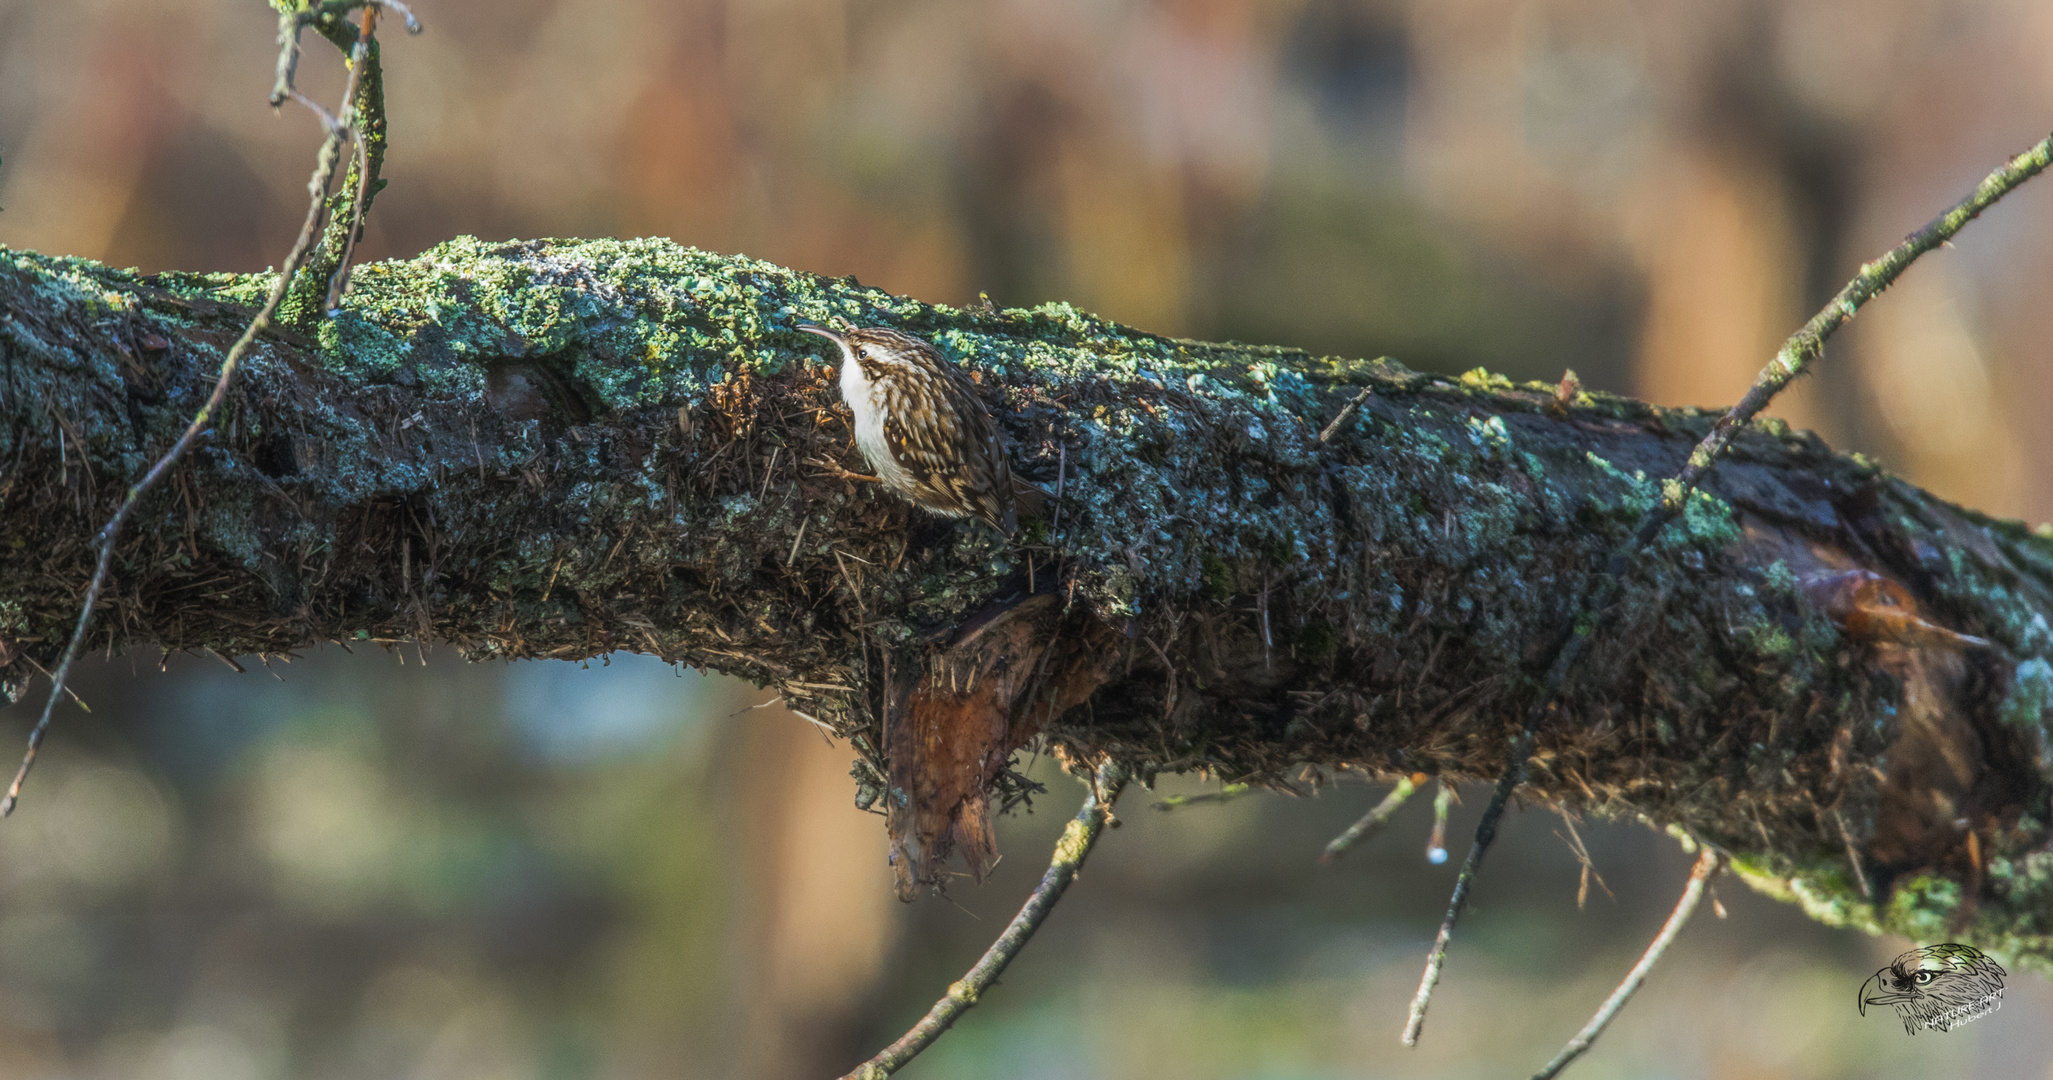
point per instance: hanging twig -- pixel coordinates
(1795, 355)
(1436, 843)
(1372, 822)
(1708, 864)
(1853, 858)
(289, 25)
(1574, 840)
(1077, 838)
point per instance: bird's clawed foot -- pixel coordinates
(836, 471)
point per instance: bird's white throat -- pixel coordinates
(866, 400)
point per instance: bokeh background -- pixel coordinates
(393, 864)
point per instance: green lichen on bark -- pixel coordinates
(558, 448)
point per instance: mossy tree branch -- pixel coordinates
(561, 448)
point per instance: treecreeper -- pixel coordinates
(920, 424)
(953, 720)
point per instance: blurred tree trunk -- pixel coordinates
(816, 918)
(564, 448)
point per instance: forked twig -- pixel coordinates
(1372, 822)
(1790, 361)
(1708, 865)
(1077, 838)
(317, 190)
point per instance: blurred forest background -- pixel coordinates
(373, 868)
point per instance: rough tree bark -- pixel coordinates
(560, 448)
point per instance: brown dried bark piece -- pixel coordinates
(1007, 673)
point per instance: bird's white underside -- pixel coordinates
(865, 400)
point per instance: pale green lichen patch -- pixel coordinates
(2013, 922)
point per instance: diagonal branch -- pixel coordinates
(1372, 822)
(1077, 839)
(1707, 867)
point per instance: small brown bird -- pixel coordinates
(918, 422)
(1940, 986)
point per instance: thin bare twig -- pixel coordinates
(1061, 473)
(799, 539)
(1574, 840)
(1853, 858)
(1077, 838)
(1346, 414)
(1708, 864)
(1226, 793)
(317, 190)
(1791, 360)
(1372, 822)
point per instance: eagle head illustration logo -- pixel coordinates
(1940, 986)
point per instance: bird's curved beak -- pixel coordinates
(1885, 998)
(822, 331)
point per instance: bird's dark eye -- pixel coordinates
(1923, 977)
(862, 352)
